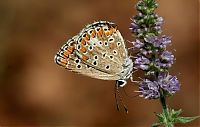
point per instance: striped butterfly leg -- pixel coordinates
(118, 97)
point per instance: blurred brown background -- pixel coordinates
(35, 91)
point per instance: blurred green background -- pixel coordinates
(36, 91)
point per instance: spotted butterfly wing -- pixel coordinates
(103, 46)
(98, 51)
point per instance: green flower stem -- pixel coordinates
(163, 102)
(165, 110)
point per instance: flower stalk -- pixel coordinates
(153, 58)
(163, 102)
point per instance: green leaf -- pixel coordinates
(156, 124)
(186, 119)
(175, 114)
(161, 117)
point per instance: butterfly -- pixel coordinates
(98, 51)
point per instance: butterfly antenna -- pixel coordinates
(118, 97)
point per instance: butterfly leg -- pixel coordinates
(118, 98)
(131, 77)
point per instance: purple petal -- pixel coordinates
(149, 89)
(169, 83)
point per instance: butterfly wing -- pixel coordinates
(68, 57)
(98, 52)
(101, 46)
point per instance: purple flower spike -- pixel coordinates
(152, 56)
(165, 40)
(149, 89)
(153, 40)
(154, 61)
(138, 44)
(166, 60)
(168, 83)
(163, 64)
(134, 27)
(168, 56)
(145, 52)
(159, 42)
(141, 63)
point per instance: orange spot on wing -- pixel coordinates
(63, 62)
(112, 30)
(100, 32)
(93, 33)
(83, 42)
(70, 49)
(66, 53)
(87, 38)
(84, 57)
(83, 49)
(107, 33)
